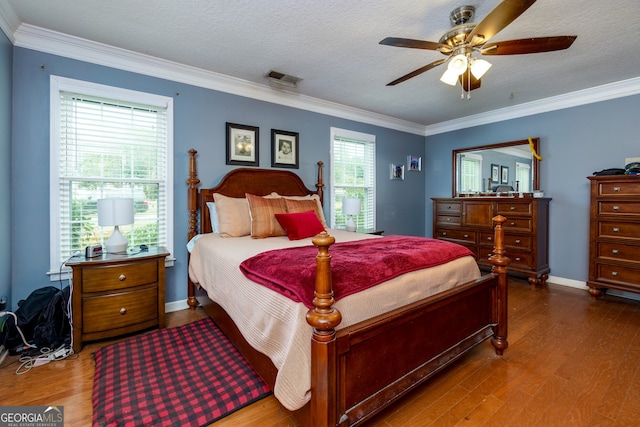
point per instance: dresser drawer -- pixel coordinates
(618, 208)
(617, 274)
(467, 236)
(518, 259)
(510, 240)
(619, 252)
(119, 276)
(107, 312)
(519, 224)
(630, 188)
(448, 220)
(511, 208)
(448, 207)
(621, 230)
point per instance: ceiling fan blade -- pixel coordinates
(411, 43)
(417, 72)
(530, 45)
(468, 82)
(501, 16)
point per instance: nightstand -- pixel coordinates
(117, 294)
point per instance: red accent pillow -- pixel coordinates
(300, 225)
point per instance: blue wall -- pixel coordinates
(574, 143)
(6, 66)
(200, 116)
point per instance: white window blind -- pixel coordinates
(353, 176)
(109, 147)
(470, 173)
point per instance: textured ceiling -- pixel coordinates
(333, 46)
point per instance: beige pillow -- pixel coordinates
(263, 216)
(308, 203)
(234, 219)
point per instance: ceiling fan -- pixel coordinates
(467, 37)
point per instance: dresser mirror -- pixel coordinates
(496, 169)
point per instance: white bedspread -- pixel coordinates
(276, 326)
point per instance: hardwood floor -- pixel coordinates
(570, 362)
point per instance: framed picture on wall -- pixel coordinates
(414, 162)
(504, 174)
(397, 171)
(495, 173)
(284, 149)
(242, 145)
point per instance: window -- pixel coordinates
(108, 142)
(470, 173)
(523, 176)
(353, 159)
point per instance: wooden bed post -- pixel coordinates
(323, 318)
(192, 207)
(320, 184)
(500, 262)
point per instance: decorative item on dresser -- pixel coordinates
(467, 221)
(614, 238)
(117, 294)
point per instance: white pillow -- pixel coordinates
(213, 215)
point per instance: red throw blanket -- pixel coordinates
(355, 266)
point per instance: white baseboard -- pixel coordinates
(176, 306)
(583, 285)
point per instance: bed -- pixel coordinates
(356, 357)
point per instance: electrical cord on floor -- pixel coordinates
(47, 355)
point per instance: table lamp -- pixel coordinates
(116, 212)
(350, 207)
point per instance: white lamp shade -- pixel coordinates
(116, 211)
(458, 64)
(479, 67)
(449, 77)
(351, 206)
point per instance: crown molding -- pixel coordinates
(573, 99)
(43, 40)
(9, 22)
(40, 39)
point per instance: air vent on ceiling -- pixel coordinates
(283, 79)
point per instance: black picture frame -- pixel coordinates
(242, 145)
(495, 173)
(285, 149)
(504, 174)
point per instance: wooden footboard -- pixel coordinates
(359, 370)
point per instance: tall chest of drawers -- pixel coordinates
(468, 221)
(614, 237)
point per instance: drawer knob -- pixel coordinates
(122, 277)
(615, 252)
(517, 241)
(517, 258)
(512, 224)
(616, 230)
(466, 236)
(489, 238)
(444, 233)
(614, 273)
(513, 208)
(123, 311)
(616, 208)
(616, 189)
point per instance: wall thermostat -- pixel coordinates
(93, 251)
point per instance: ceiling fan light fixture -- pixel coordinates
(449, 77)
(458, 64)
(479, 67)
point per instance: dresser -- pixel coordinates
(117, 294)
(468, 221)
(614, 236)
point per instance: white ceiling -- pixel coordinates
(333, 46)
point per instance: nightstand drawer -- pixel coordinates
(119, 276)
(107, 312)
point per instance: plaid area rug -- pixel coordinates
(190, 375)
